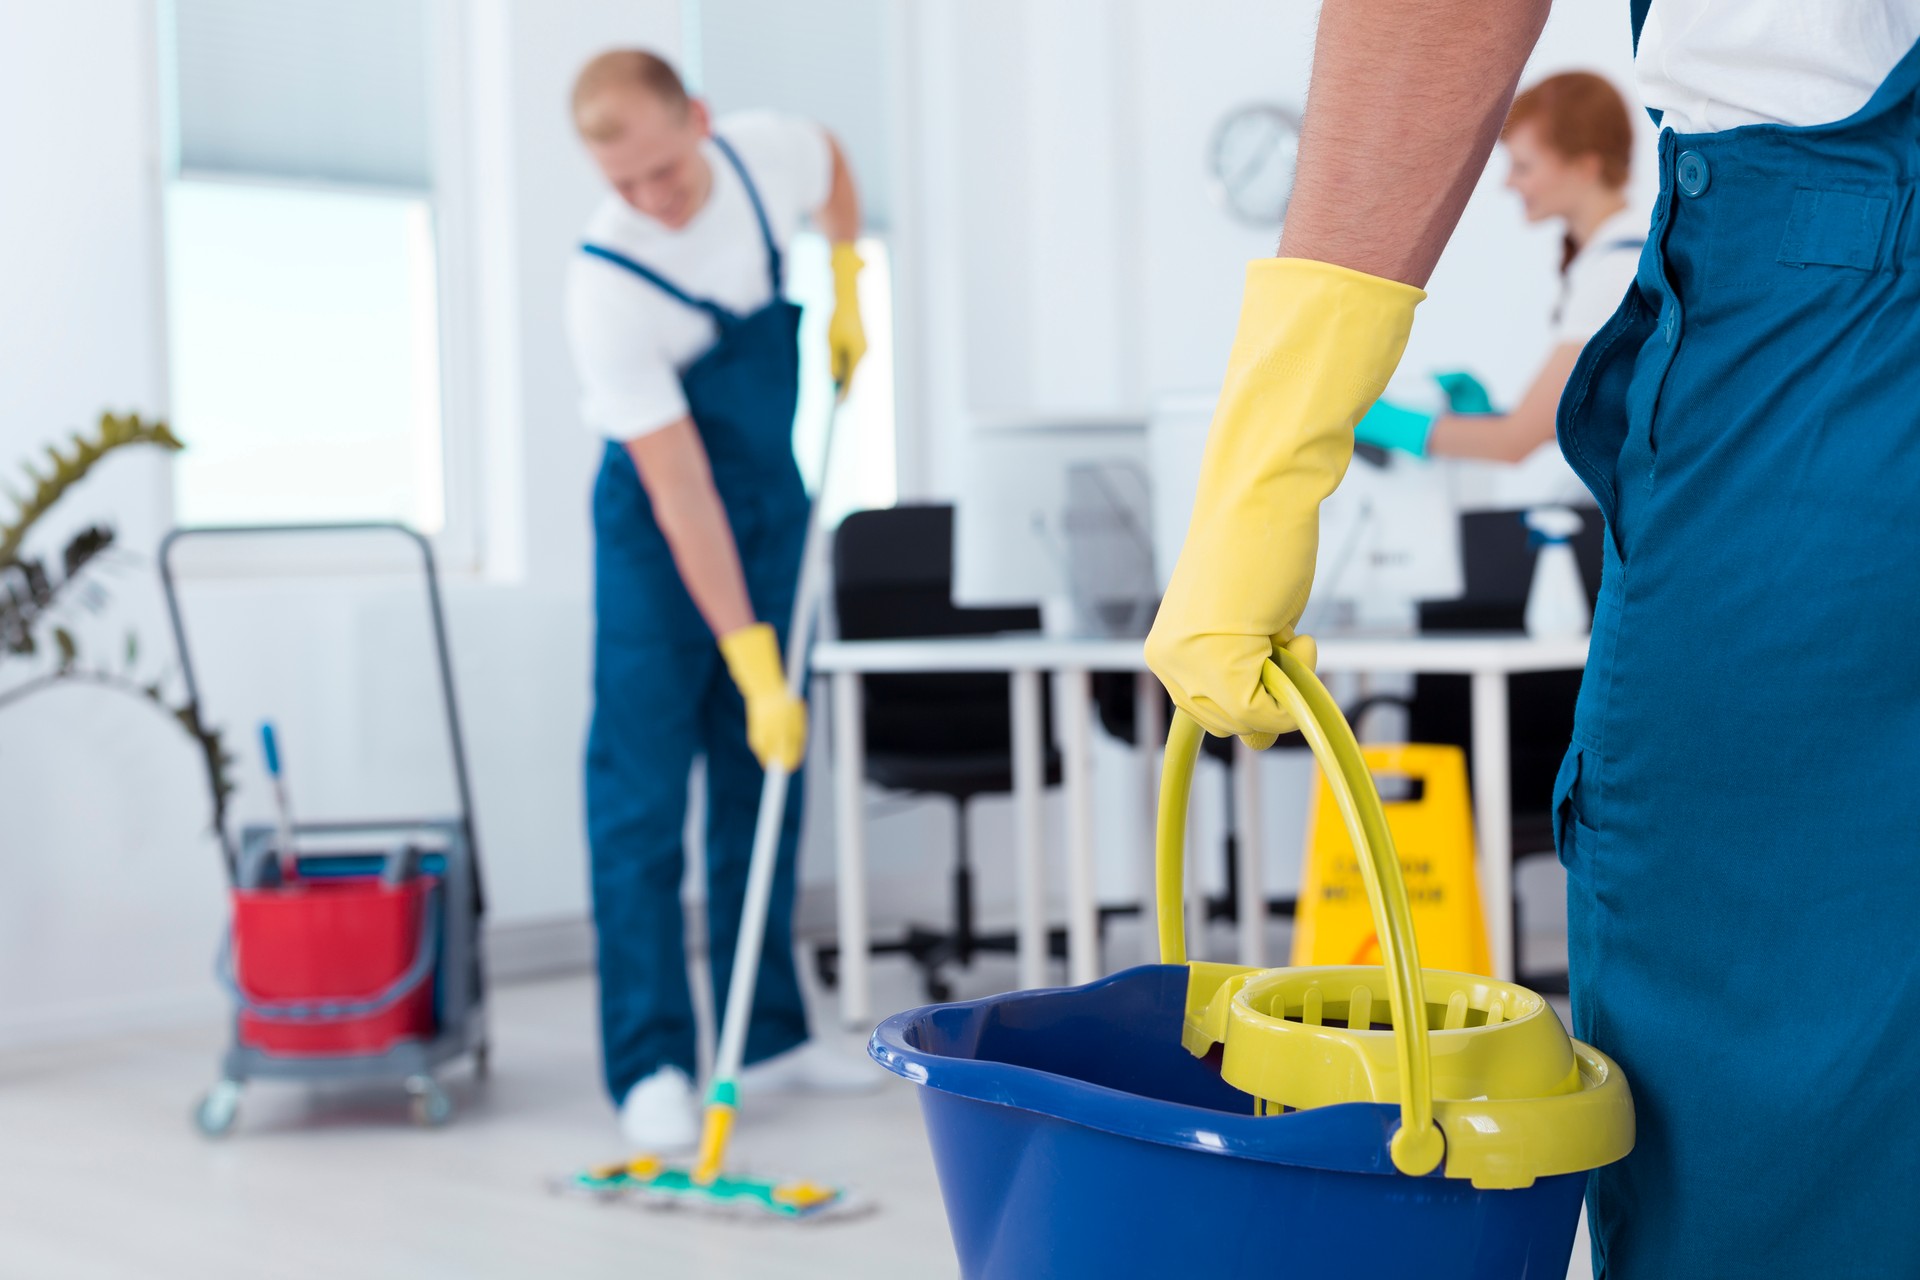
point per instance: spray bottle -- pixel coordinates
(1557, 600)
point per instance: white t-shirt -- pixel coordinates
(1717, 64)
(1590, 291)
(630, 340)
(1597, 278)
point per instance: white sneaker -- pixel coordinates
(659, 1115)
(811, 1068)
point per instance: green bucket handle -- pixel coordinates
(1417, 1147)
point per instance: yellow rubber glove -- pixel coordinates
(1316, 346)
(846, 336)
(776, 720)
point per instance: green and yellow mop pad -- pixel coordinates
(655, 1181)
(651, 1181)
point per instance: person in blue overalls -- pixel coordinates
(1737, 813)
(689, 359)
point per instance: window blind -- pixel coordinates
(316, 90)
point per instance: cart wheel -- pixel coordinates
(431, 1106)
(482, 1061)
(217, 1109)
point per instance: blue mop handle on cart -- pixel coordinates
(270, 747)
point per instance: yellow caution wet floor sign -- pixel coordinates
(1433, 833)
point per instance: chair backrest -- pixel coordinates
(893, 578)
(1498, 557)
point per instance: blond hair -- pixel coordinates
(622, 69)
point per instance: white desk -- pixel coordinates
(1487, 659)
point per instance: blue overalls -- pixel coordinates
(1739, 814)
(662, 696)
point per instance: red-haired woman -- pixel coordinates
(1569, 142)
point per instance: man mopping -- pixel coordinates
(690, 364)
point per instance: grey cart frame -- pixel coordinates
(445, 843)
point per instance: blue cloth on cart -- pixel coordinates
(662, 696)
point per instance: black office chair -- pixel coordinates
(1497, 561)
(945, 735)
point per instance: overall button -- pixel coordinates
(1692, 173)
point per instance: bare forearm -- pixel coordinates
(1489, 437)
(673, 468)
(839, 217)
(1406, 103)
(1510, 437)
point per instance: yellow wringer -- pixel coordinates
(1486, 1078)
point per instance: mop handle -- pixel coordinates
(270, 748)
(773, 796)
(1293, 684)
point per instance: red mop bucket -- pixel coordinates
(330, 967)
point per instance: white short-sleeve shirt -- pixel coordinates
(1590, 291)
(1718, 64)
(631, 341)
(1597, 278)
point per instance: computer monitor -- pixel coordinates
(1058, 511)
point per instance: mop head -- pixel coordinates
(652, 1182)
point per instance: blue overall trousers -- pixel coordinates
(662, 696)
(1739, 814)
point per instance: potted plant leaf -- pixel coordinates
(41, 595)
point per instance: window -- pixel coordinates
(305, 352)
(864, 472)
(303, 285)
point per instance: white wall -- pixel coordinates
(110, 891)
(1073, 245)
(1072, 259)
(106, 878)
(1058, 252)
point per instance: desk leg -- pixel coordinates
(1250, 865)
(1083, 917)
(1030, 832)
(1493, 814)
(849, 820)
(1150, 735)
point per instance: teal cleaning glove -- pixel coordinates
(1389, 426)
(1465, 393)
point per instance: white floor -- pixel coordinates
(101, 1175)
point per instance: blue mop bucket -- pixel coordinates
(1089, 1131)
(1074, 1136)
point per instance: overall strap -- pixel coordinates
(721, 316)
(1901, 84)
(759, 210)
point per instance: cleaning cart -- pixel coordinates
(1205, 1119)
(354, 952)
